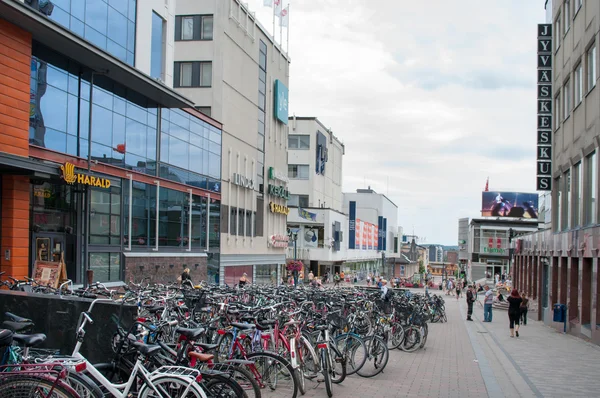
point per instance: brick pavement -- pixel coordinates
(446, 368)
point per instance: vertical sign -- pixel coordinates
(544, 108)
(380, 232)
(352, 226)
(384, 234)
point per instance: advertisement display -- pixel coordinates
(509, 204)
(358, 235)
(365, 238)
(365, 235)
(369, 229)
(311, 237)
(376, 237)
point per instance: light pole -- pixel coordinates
(293, 234)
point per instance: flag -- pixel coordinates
(268, 3)
(278, 6)
(487, 185)
(285, 16)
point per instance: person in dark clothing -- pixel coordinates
(243, 280)
(523, 309)
(514, 312)
(470, 300)
(186, 279)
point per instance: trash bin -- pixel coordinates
(560, 312)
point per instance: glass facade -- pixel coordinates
(108, 24)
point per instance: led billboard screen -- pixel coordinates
(509, 204)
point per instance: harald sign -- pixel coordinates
(544, 108)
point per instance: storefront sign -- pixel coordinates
(279, 241)
(493, 250)
(281, 102)
(544, 108)
(242, 181)
(42, 193)
(277, 175)
(280, 209)
(71, 177)
(279, 191)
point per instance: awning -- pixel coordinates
(13, 164)
(62, 40)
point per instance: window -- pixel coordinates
(557, 106)
(567, 15)
(559, 205)
(105, 216)
(299, 171)
(193, 74)
(591, 67)
(204, 109)
(106, 266)
(193, 27)
(233, 221)
(566, 198)
(578, 4)
(298, 141)
(557, 33)
(591, 178)
(157, 47)
(298, 200)
(578, 84)
(567, 99)
(577, 182)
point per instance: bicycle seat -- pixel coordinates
(29, 340)
(190, 333)
(243, 326)
(6, 337)
(154, 310)
(206, 347)
(201, 357)
(321, 327)
(15, 318)
(17, 327)
(146, 349)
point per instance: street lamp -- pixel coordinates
(293, 234)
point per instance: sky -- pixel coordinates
(430, 98)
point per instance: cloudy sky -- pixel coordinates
(433, 96)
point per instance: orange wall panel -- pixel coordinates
(14, 235)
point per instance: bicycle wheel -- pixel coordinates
(397, 335)
(377, 357)
(363, 324)
(275, 374)
(222, 386)
(84, 386)
(338, 370)
(353, 349)
(424, 331)
(307, 358)
(224, 342)
(173, 387)
(412, 339)
(16, 386)
(243, 377)
(326, 372)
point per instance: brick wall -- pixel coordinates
(15, 67)
(14, 235)
(160, 271)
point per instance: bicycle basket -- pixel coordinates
(338, 321)
(194, 300)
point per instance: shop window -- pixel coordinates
(198, 221)
(143, 209)
(215, 217)
(53, 207)
(266, 274)
(173, 218)
(106, 266)
(233, 220)
(105, 216)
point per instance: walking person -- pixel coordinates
(523, 309)
(470, 301)
(488, 301)
(514, 312)
(457, 290)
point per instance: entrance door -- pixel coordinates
(48, 246)
(545, 284)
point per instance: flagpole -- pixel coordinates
(287, 43)
(273, 49)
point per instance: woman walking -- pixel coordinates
(524, 308)
(514, 312)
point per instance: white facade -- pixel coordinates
(232, 51)
(166, 10)
(320, 189)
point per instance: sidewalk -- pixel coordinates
(540, 363)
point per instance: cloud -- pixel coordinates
(430, 98)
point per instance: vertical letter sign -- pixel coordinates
(544, 108)
(352, 226)
(281, 102)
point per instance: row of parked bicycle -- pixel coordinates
(219, 342)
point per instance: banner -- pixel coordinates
(311, 237)
(358, 237)
(306, 214)
(380, 229)
(384, 234)
(352, 226)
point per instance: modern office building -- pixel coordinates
(436, 253)
(102, 164)
(560, 264)
(230, 67)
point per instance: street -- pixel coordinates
(475, 359)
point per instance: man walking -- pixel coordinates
(487, 304)
(470, 300)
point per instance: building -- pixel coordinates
(373, 226)
(436, 253)
(230, 67)
(316, 223)
(451, 256)
(560, 264)
(463, 240)
(88, 173)
(489, 246)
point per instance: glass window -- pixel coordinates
(298, 200)
(557, 106)
(567, 99)
(298, 141)
(207, 27)
(233, 221)
(298, 171)
(578, 4)
(178, 153)
(206, 74)
(591, 187)
(135, 138)
(117, 28)
(198, 221)
(185, 75)
(102, 125)
(105, 219)
(214, 223)
(173, 218)
(566, 198)
(53, 109)
(578, 84)
(187, 28)
(157, 50)
(106, 266)
(96, 15)
(591, 68)
(567, 15)
(577, 181)
(557, 33)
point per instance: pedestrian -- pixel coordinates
(369, 280)
(186, 279)
(514, 312)
(243, 280)
(487, 304)
(336, 279)
(342, 277)
(470, 301)
(457, 290)
(523, 310)
(311, 277)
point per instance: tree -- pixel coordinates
(421, 267)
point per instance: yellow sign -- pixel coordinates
(275, 208)
(42, 193)
(70, 177)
